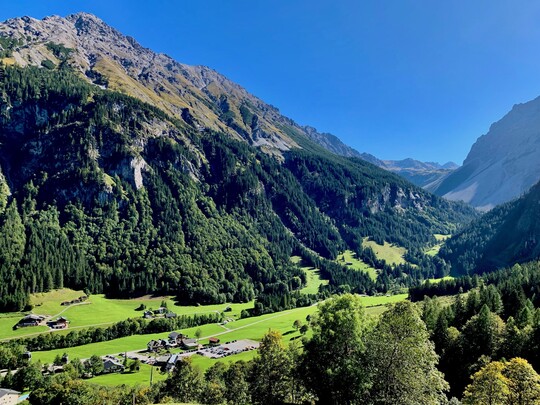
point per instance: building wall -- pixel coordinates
(9, 399)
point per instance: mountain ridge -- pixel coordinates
(190, 92)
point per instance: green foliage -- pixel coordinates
(48, 64)
(333, 363)
(186, 383)
(513, 382)
(272, 371)
(402, 360)
(59, 50)
(494, 241)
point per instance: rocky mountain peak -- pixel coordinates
(502, 164)
(110, 59)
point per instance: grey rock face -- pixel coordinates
(502, 164)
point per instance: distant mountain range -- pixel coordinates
(501, 165)
(423, 174)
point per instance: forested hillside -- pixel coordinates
(104, 192)
(506, 235)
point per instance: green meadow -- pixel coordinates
(313, 276)
(248, 328)
(99, 311)
(349, 259)
(141, 377)
(390, 253)
(434, 250)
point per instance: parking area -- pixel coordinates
(229, 348)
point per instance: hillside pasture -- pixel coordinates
(313, 277)
(99, 311)
(390, 253)
(349, 259)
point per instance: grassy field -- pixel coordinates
(349, 259)
(391, 254)
(99, 311)
(434, 250)
(313, 275)
(438, 280)
(249, 328)
(141, 377)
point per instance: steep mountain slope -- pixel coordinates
(103, 191)
(503, 164)
(508, 234)
(201, 96)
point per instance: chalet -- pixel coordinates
(161, 311)
(148, 315)
(60, 323)
(112, 366)
(170, 315)
(155, 345)
(9, 397)
(189, 344)
(213, 341)
(175, 337)
(83, 298)
(30, 320)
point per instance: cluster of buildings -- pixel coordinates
(79, 300)
(176, 339)
(36, 320)
(160, 312)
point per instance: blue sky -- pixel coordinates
(397, 79)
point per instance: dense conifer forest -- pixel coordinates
(505, 235)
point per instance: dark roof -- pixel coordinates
(33, 317)
(173, 335)
(108, 363)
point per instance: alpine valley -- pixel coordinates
(126, 172)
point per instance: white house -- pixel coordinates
(8, 397)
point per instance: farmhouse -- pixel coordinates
(175, 338)
(163, 360)
(8, 397)
(161, 311)
(155, 345)
(30, 320)
(189, 344)
(112, 366)
(60, 323)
